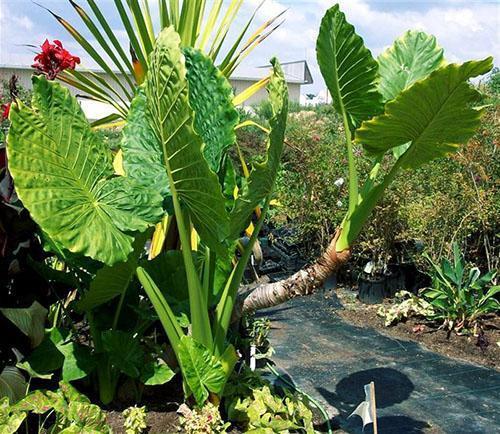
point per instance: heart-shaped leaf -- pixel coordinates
(61, 169)
(412, 57)
(349, 70)
(435, 116)
(202, 371)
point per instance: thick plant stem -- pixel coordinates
(304, 282)
(224, 310)
(353, 173)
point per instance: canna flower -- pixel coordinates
(5, 111)
(54, 59)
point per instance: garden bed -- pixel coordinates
(158, 422)
(426, 332)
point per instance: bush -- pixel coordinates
(310, 201)
(452, 199)
(460, 295)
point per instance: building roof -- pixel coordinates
(295, 72)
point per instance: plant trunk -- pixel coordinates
(304, 282)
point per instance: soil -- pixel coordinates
(158, 422)
(426, 333)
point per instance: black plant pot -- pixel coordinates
(394, 280)
(371, 290)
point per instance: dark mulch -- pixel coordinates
(427, 333)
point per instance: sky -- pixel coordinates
(465, 29)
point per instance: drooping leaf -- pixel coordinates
(61, 169)
(210, 96)
(434, 114)
(263, 176)
(156, 373)
(12, 384)
(171, 118)
(31, 321)
(142, 159)
(202, 371)
(124, 351)
(349, 70)
(110, 282)
(412, 57)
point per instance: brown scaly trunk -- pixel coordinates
(304, 282)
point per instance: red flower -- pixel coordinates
(54, 59)
(5, 111)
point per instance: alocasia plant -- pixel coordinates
(175, 149)
(410, 106)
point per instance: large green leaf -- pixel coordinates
(124, 352)
(30, 320)
(412, 57)
(142, 159)
(202, 371)
(63, 175)
(210, 96)
(156, 373)
(113, 281)
(78, 361)
(171, 118)
(349, 70)
(263, 176)
(58, 351)
(434, 114)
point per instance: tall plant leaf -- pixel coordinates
(171, 117)
(412, 57)
(434, 114)
(261, 181)
(210, 96)
(202, 371)
(61, 169)
(142, 158)
(349, 70)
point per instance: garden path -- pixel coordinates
(417, 391)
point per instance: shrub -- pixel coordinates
(135, 420)
(460, 295)
(415, 211)
(310, 202)
(264, 412)
(202, 420)
(405, 305)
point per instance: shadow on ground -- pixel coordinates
(391, 386)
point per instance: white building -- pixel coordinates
(296, 75)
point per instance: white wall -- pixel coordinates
(95, 110)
